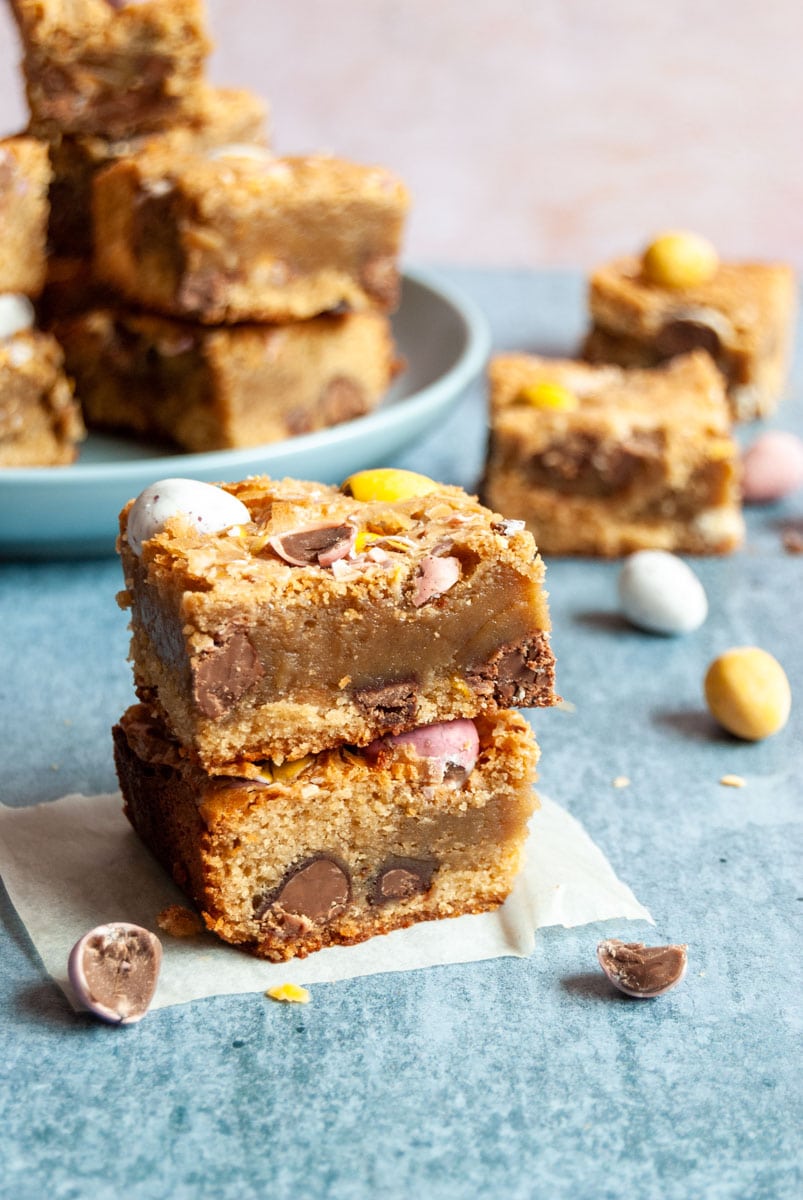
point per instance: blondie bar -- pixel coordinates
(224, 117)
(238, 385)
(743, 316)
(111, 67)
(600, 460)
(225, 239)
(327, 619)
(24, 182)
(339, 846)
(40, 422)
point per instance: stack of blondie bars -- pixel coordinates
(325, 747)
(204, 291)
(631, 447)
(40, 422)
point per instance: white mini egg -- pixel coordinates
(660, 593)
(208, 508)
(16, 315)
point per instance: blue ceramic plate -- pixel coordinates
(58, 512)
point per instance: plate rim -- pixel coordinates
(452, 383)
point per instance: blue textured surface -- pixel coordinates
(518, 1078)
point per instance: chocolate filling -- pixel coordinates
(582, 465)
(400, 878)
(306, 546)
(222, 675)
(682, 335)
(391, 705)
(639, 970)
(314, 892)
(518, 673)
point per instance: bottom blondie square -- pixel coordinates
(40, 422)
(212, 389)
(335, 847)
(600, 460)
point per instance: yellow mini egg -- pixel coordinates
(680, 260)
(548, 395)
(388, 484)
(747, 691)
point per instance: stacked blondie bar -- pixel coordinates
(40, 422)
(325, 747)
(632, 447)
(205, 292)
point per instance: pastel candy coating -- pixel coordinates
(660, 593)
(114, 970)
(747, 691)
(208, 508)
(448, 743)
(772, 467)
(16, 315)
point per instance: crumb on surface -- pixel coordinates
(620, 781)
(732, 781)
(793, 540)
(289, 993)
(178, 921)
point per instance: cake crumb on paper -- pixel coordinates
(289, 993)
(179, 922)
(732, 781)
(620, 781)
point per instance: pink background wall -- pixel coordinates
(536, 133)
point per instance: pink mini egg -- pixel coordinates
(772, 467)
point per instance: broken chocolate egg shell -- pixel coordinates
(321, 544)
(642, 971)
(114, 970)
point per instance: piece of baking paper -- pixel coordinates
(75, 863)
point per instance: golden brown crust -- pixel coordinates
(645, 460)
(240, 239)
(233, 844)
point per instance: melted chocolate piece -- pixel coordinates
(317, 890)
(639, 970)
(380, 278)
(391, 705)
(683, 334)
(582, 465)
(341, 400)
(221, 676)
(400, 878)
(518, 673)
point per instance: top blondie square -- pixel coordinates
(326, 619)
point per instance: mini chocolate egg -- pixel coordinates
(660, 593)
(114, 970)
(772, 467)
(747, 691)
(207, 508)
